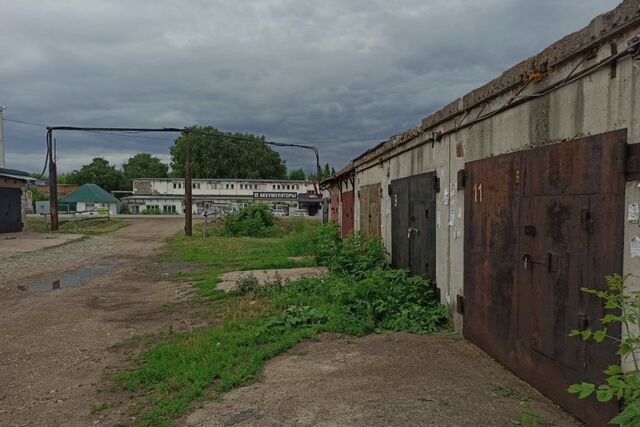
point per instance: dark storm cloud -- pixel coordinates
(291, 70)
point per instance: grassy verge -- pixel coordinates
(218, 254)
(360, 295)
(86, 226)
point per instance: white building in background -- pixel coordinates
(166, 195)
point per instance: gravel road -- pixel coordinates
(57, 345)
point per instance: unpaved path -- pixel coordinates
(394, 379)
(55, 346)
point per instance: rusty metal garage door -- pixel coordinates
(413, 225)
(539, 225)
(334, 205)
(10, 210)
(346, 225)
(369, 196)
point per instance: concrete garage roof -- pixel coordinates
(90, 193)
(15, 174)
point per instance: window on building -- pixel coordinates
(232, 186)
(227, 186)
(274, 186)
(175, 185)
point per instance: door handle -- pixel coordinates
(412, 230)
(551, 261)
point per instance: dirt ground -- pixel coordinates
(15, 243)
(57, 346)
(393, 379)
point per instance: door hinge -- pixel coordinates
(460, 304)
(436, 184)
(587, 222)
(583, 321)
(462, 178)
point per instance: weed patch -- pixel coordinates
(360, 295)
(85, 226)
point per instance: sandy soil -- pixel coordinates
(56, 346)
(394, 379)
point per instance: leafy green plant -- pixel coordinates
(528, 417)
(624, 309)
(353, 256)
(255, 220)
(247, 284)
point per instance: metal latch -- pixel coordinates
(551, 261)
(587, 221)
(412, 230)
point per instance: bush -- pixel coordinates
(362, 293)
(354, 256)
(124, 209)
(253, 221)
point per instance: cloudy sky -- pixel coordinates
(343, 74)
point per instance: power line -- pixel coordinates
(22, 122)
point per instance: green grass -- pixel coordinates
(361, 295)
(218, 254)
(86, 226)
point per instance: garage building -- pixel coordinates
(513, 197)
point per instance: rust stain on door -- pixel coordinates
(546, 223)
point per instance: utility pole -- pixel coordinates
(188, 212)
(53, 182)
(2, 162)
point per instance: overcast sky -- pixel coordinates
(353, 71)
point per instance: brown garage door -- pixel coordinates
(370, 210)
(334, 205)
(346, 224)
(539, 225)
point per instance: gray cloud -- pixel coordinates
(291, 70)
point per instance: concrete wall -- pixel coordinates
(597, 103)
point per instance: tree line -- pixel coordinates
(214, 154)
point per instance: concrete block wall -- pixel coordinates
(605, 100)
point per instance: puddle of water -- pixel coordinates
(71, 280)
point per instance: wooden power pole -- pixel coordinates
(188, 212)
(53, 183)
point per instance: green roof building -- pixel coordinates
(92, 198)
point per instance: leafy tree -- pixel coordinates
(297, 175)
(216, 154)
(325, 173)
(98, 172)
(144, 165)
